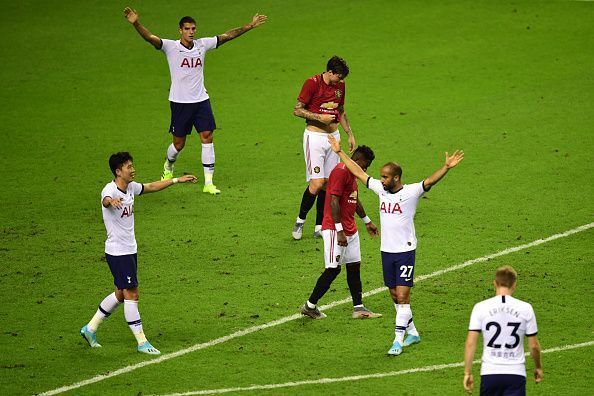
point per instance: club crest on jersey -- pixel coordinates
(191, 62)
(317, 169)
(338, 93)
(338, 258)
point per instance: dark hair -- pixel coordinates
(338, 66)
(506, 276)
(394, 168)
(365, 152)
(186, 19)
(117, 160)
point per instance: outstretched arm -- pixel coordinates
(352, 166)
(469, 349)
(162, 184)
(132, 17)
(450, 162)
(257, 20)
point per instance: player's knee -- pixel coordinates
(332, 272)
(179, 145)
(316, 185)
(131, 294)
(206, 137)
(403, 297)
(354, 267)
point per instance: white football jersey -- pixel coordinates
(504, 321)
(397, 212)
(186, 67)
(119, 223)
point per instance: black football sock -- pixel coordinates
(320, 207)
(307, 202)
(323, 284)
(354, 282)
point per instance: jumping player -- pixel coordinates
(341, 239)
(398, 204)
(504, 321)
(117, 201)
(189, 101)
(321, 103)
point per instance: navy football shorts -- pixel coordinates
(186, 115)
(123, 268)
(399, 269)
(503, 384)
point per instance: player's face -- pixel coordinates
(362, 162)
(334, 78)
(127, 171)
(187, 31)
(388, 180)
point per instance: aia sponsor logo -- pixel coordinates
(128, 211)
(191, 62)
(390, 208)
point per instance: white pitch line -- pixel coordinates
(323, 381)
(253, 329)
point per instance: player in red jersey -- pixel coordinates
(321, 104)
(341, 239)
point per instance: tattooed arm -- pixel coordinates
(257, 20)
(300, 111)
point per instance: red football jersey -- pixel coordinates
(320, 97)
(343, 184)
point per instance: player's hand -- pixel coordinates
(352, 144)
(335, 144)
(131, 15)
(116, 203)
(538, 374)
(455, 159)
(372, 229)
(342, 241)
(468, 383)
(258, 20)
(326, 118)
(187, 178)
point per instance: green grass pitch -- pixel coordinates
(510, 82)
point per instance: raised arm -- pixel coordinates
(450, 162)
(346, 127)
(132, 17)
(534, 347)
(469, 350)
(257, 20)
(162, 184)
(352, 166)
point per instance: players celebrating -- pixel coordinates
(504, 322)
(398, 204)
(189, 101)
(117, 201)
(321, 103)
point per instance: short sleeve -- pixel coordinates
(137, 188)
(475, 320)
(210, 42)
(307, 91)
(167, 45)
(419, 189)
(531, 327)
(336, 181)
(343, 95)
(375, 185)
(107, 191)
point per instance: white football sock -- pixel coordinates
(107, 306)
(403, 315)
(172, 154)
(133, 318)
(208, 161)
(411, 329)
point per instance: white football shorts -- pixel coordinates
(318, 154)
(335, 255)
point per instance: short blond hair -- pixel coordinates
(506, 276)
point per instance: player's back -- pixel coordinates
(504, 322)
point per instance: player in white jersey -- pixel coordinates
(189, 101)
(117, 204)
(398, 204)
(504, 322)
